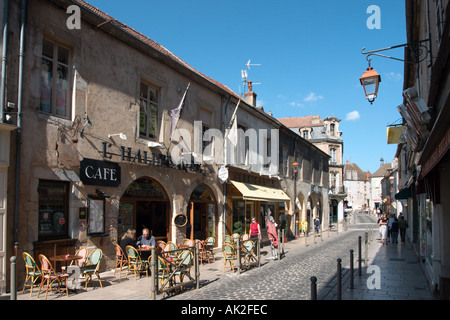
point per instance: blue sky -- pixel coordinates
(309, 51)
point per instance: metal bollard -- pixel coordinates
(153, 275)
(278, 248)
(339, 279)
(238, 255)
(13, 278)
(351, 269)
(258, 251)
(366, 249)
(313, 288)
(197, 265)
(359, 255)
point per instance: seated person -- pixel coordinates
(146, 240)
(128, 239)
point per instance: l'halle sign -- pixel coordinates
(99, 173)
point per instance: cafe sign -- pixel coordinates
(99, 173)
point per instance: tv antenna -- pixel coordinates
(244, 74)
(251, 64)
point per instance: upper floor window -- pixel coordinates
(333, 156)
(55, 79)
(305, 134)
(148, 111)
(332, 129)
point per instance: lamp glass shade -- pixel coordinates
(370, 81)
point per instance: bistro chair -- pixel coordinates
(203, 254)
(160, 245)
(189, 243)
(235, 236)
(32, 272)
(209, 246)
(248, 253)
(245, 237)
(82, 252)
(121, 259)
(227, 238)
(229, 256)
(169, 247)
(185, 264)
(49, 276)
(92, 267)
(135, 263)
(163, 272)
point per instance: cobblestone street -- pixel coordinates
(289, 278)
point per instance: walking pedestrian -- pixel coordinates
(316, 226)
(383, 228)
(272, 234)
(394, 231)
(255, 231)
(402, 225)
(390, 221)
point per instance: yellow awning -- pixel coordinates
(259, 193)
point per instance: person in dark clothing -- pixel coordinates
(394, 231)
(402, 224)
(128, 239)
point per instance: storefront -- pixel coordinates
(246, 200)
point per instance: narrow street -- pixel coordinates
(289, 278)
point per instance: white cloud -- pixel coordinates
(296, 104)
(312, 96)
(352, 116)
(395, 76)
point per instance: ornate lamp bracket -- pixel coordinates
(419, 50)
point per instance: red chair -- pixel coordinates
(49, 276)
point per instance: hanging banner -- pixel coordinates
(395, 135)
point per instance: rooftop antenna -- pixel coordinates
(251, 64)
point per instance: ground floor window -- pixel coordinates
(53, 209)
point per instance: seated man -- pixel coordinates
(145, 240)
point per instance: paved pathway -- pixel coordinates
(401, 276)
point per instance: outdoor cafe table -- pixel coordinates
(65, 258)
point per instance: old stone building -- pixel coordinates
(89, 121)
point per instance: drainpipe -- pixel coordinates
(4, 53)
(19, 124)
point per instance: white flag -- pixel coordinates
(176, 113)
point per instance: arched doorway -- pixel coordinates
(202, 214)
(145, 204)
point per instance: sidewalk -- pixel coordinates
(400, 276)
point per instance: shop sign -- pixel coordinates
(144, 157)
(99, 173)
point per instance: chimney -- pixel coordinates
(381, 161)
(250, 96)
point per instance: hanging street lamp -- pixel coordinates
(370, 81)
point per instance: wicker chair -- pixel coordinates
(49, 276)
(32, 271)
